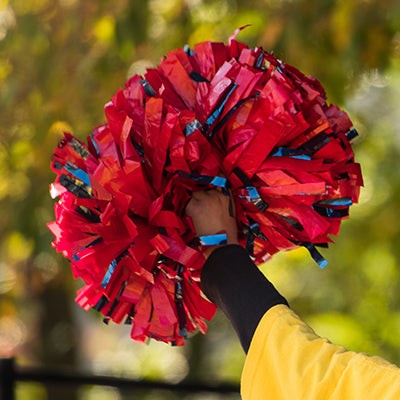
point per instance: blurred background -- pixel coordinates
(62, 60)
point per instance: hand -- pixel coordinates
(209, 211)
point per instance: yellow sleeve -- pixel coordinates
(287, 360)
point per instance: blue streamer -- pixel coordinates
(78, 173)
(76, 257)
(114, 305)
(332, 212)
(88, 214)
(292, 222)
(252, 231)
(351, 134)
(80, 149)
(96, 147)
(211, 119)
(101, 303)
(210, 180)
(226, 117)
(180, 309)
(260, 61)
(148, 89)
(293, 153)
(192, 127)
(197, 77)
(110, 271)
(214, 240)
(316, 255)
(188, 50)
(250, 242)
(112, 267)
(219, 181)
(76, 186)
(343, 201)
(131, 315)
(256, 199)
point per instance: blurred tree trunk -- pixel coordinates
(198, 349)
(59, 336)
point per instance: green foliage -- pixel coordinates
(61, 61)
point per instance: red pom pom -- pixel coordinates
(220, 110)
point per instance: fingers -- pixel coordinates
(210, 213)
(205, 199)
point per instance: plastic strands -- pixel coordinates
(217, 115)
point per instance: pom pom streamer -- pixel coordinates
(223, 116)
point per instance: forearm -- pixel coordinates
(232, 281)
